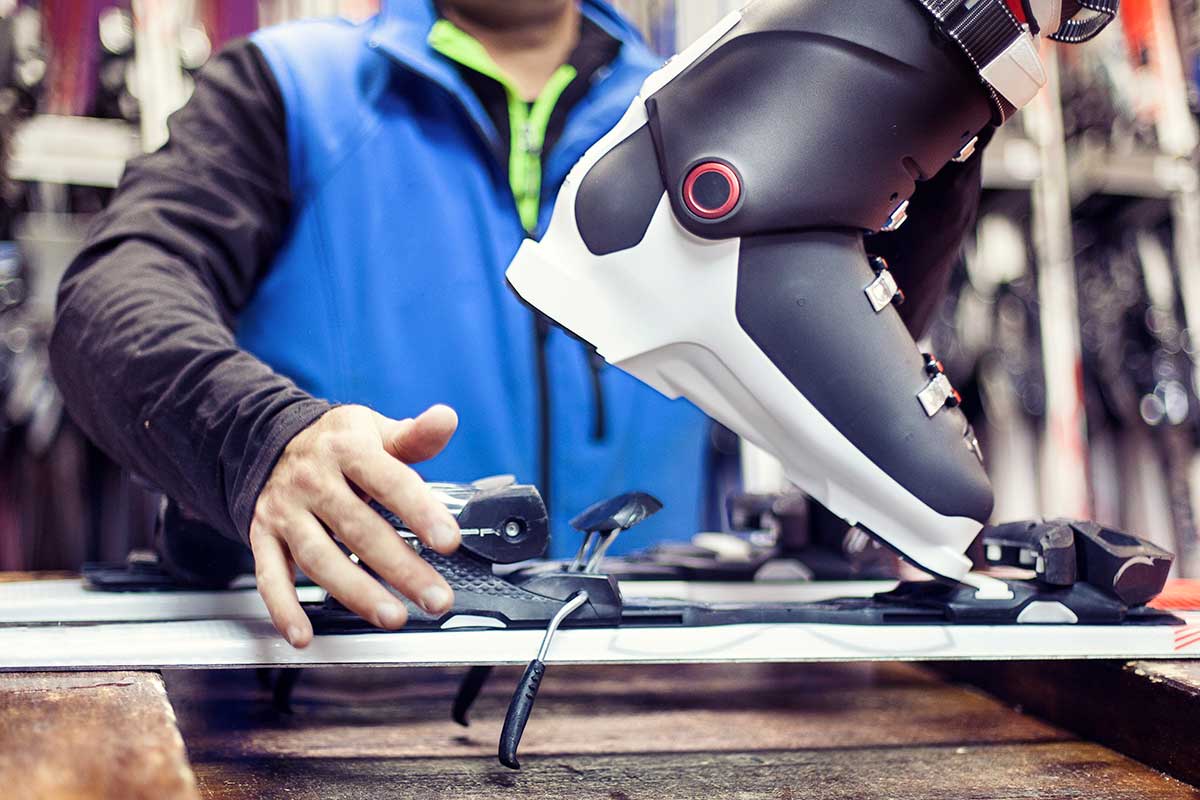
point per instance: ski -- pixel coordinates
(217, 644)
(1075, 590)
(74, 601)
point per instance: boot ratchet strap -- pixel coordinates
(1002, 49)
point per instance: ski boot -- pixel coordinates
(711, 244)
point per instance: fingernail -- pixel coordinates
(435, 599)
(445, 535)
(391, 615)
(293, 635)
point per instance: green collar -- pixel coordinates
(527, 121)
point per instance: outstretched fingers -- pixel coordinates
(401, 489)
(315, 552)
(377, 544)
(276, 585)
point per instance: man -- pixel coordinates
(329, 224)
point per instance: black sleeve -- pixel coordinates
(143, 347)
(924, 252)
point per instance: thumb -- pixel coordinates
(420, 439)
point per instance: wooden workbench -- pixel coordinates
(745, 731)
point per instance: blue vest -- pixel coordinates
(389, 289)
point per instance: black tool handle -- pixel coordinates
(518, 713)
(468, 690)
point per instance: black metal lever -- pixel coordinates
(601, 522)
(521, 705)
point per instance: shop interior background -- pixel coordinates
(1068, 329)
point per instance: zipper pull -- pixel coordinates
(527, 141)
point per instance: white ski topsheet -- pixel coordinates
(252, 643)
(61, 625)
(70, 601)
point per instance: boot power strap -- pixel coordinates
(1002, 49)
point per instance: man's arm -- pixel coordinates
(143, 348)
(144, 353)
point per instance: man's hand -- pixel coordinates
(352, 451)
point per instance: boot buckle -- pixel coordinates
(897, 218)
(883, 291)
(938, 393)
(967, 151)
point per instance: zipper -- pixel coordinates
(541, 334)
(527, 128)
(533, 169)
(525, 182)
(599, 422)
(525, 163)
(541, 328)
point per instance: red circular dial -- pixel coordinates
(711, 190)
